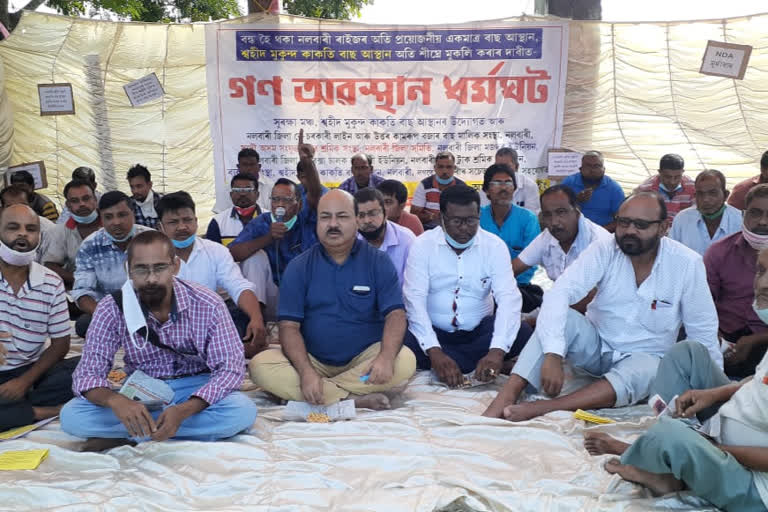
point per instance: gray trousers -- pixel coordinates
(671, 446)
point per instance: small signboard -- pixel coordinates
(56, 99)
(144, 90)
(36, 169)
(725, 59)
(563, 162)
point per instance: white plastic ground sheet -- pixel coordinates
(433, 451)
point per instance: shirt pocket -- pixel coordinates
(661, 317)
(361, 302)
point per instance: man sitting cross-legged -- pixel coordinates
(188, 341)
(341, 318)
(647, 286)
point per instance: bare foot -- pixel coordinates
(659, 485)
(101, 444)
(600, 443)
(43, 413)
(526, 410)
(375, 401)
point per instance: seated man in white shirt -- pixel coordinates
(567, 233)
(210, 264)
(647, 286)
(732, 471)
(455, 276)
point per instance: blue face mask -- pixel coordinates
(444, 181)
(121, 240)
(456, 245)
(88, 219)
(183, 244)
(288, 223)
(665, 189)
(762, 314)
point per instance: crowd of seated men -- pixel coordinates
(664, 291)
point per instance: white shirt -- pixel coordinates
(526, 194)
(689, 228)
(435, 277)
(211, 265)
(46, 233)
(545, 249)
(265, 193)
(631, 319)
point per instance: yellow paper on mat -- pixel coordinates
(23, 459)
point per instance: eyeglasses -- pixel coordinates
(282, 200)
(501, 183)
(243, 189)
(456, 222)
(371, 214)
(143, 271)
(640, 224)
(559, 213)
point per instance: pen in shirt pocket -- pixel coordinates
(658, 303)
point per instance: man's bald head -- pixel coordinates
(336, 223)
(19, 227)
(649, 203)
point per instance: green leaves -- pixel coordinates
(334, 9)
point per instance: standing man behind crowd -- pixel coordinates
(362, 175)
(42, 205)
(395, 198)
(699, 226)
(736, 199)
(677, 189)
(249, 162)
(225, 226)
(598, 195)
(526, 192)
(144, 197)
(426, 198)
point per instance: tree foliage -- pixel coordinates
(335, 9)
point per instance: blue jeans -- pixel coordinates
(226, 418)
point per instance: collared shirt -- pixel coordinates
(341, 308)
(265, 192)
(44, 207)
(631, 318)
(410, 221)
(427, 196)
(199, 326)
(546, 251)
(677, 200)
(526, 194)
(605, 201)
(350, 185)
(456, 291)
(731, 267)
(519, 229)
(301, 237)
(689, 228)
(63, 243)
(138, 213)
(211, 265)
(226, 226)
(739, 193)
(37, 313)
(100, 266)
(397, 243)
(46, 232)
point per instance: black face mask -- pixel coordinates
(373, 235)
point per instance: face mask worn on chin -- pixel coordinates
(183, 244)
(762, 314)
(716, 215)
(16, 258)
(444, 181)
(245, 212)
(125, 238)
(665, 189)
(288, 224)
(757, 242)
(87, 219)
(456, 245)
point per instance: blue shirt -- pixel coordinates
(341, 308)
(689, 228)
(301, 237)
(605, 200)
(519, 229)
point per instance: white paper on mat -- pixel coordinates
(298, 411)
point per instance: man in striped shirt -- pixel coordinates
(426, 198)
(180, 333)
(34, 381)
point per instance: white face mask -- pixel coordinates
(16, 258)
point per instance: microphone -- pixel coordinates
(279, 214)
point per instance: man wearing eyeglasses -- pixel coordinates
(385, 235)
(186, 339)
(647, 286)
(515, 225)
(225, 226)
(270, 241)
(456, 276)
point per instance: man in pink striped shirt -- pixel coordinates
(189, 342)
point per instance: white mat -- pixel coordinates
(433, 452)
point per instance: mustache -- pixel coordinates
(333, 231)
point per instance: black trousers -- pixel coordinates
(748, 366)
(53, 388)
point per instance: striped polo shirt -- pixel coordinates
(226, 226)
(427, 196)
(37, 313)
